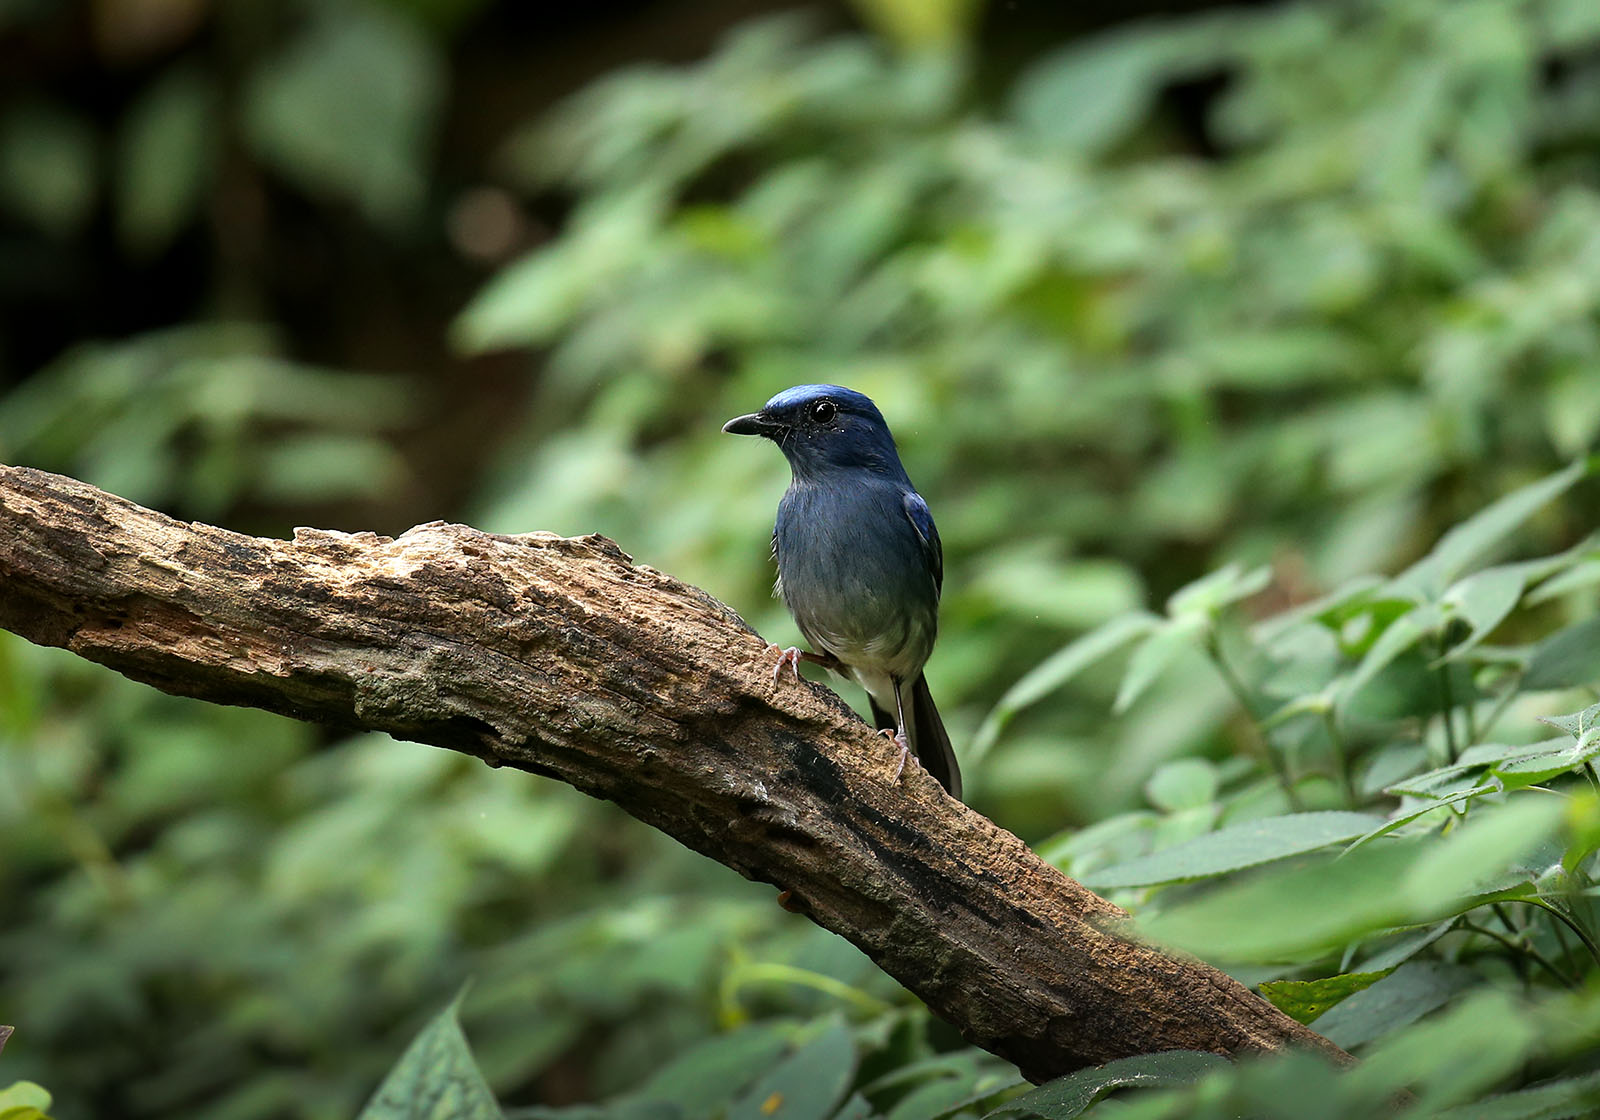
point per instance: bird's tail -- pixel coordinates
(930, 741)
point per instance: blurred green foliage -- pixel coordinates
(207, 417)
(1190, 333)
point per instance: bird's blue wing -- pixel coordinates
(922, 522)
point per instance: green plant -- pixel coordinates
(1186, 332)
(1112, 363)
(1409, 876)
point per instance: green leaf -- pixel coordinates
(1070, 1096)
(1090, 95)
(1569, 658)
(936, 1097)
(922, 24)
(1207, 595)
(1153, 656)
(534, 297)
(1304, 1000)
(1579, 725)
(164, 160)
(1474, 858)
(628, 1108)
(1475, 1043)
(805, 1086)
(1401, 997)
(981, 1085)
(348, 110)
(1444, 782)
(1564, 1099)
(327, 466)
(1404, 945)
(1400, 635)
(48, 163)
(1076, 594)
(704, 1079)
(1583, 573)
(1185, 784)
(1528, 766)
(1330, 610)
(1056, 670)
(1292, 912)
(856, 1108)
(23, 1112)
(24, 1100)
(1483, 600)
(1395, 823)
(1236, 847)
(1516, 766)
(1317, 904)
(435, 1079)
(1469, 541)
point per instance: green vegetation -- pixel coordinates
(1251, 366)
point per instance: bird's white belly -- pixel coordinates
(875, 662)
(879, 686)
(872, 664)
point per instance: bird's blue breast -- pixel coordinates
(854, 572)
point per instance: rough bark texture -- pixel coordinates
(563, 657)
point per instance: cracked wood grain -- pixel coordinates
(562, 657)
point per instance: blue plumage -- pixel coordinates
(860, 566)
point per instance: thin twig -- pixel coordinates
(1241, 694)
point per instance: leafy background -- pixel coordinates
(1249, 358)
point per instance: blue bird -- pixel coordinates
(860, 566)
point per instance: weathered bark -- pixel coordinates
(563, 657)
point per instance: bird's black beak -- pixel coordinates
(754, 424)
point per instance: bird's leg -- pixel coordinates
(794, 655)
(898, 737)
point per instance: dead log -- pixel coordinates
(562, 657)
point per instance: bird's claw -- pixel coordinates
(789, 657)
(898, 738)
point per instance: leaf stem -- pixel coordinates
(1447, 705)
(766, 972)
(1341, 757)
(1523, 950)
(1241, 694)
(1513, 690)
(1561, 939)
(1588, 942)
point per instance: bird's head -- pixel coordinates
(823, 427)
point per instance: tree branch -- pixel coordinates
(562, 657)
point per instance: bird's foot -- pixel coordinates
(794, 655)
(790, 657)
(898, 738)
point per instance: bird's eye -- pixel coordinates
(823, 411)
